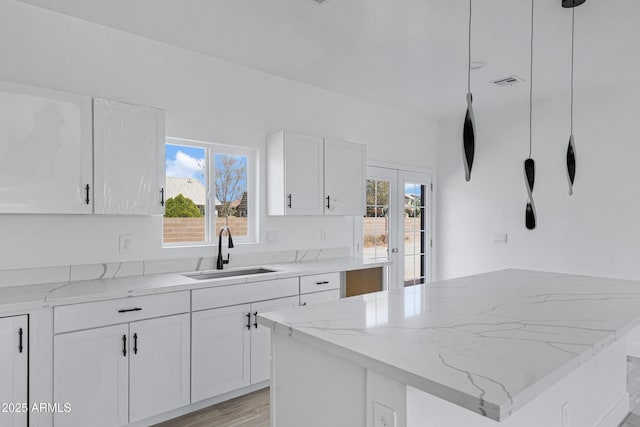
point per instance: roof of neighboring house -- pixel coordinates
(188, 187)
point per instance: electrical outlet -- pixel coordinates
(272, 236)
(323, 234)
(126, 243)
(564, 416)
(383, 416)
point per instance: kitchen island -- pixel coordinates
(511, 348)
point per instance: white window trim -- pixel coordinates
(212, 149)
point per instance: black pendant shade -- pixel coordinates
(571, 163)
(469, 138)
(571, 3)
(530, 178)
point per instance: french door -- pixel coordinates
(397, 224)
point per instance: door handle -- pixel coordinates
(394, 250)
(124, 345)
(20, 348)
(255, 324)
(249, 321)
(127, 310)
(135, 343)
(86, 188)
(162, 197)
(289, 201)
(328, 202)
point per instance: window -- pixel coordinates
(208, 186)
(415, 233)
(376, 220)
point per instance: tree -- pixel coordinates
(181, 207)
(230, 183)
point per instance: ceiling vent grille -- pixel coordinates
(508, 81)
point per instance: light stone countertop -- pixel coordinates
(489, 343)
(28, 297)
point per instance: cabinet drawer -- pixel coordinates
(223, 296)
(95, 314)
(318, 297)
(319, 282)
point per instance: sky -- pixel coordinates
(189, 162)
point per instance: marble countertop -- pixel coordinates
(490, 343)
(28, 297)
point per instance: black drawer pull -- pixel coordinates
(135, 343)
(249, 321)
(322, 283)
(124, 345)
(255, 324)
(20, 342)
(289, 201)
(127, 310)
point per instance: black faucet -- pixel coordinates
(221, 261)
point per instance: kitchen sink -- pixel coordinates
(206, 275)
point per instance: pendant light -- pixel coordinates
(469, 129)
(529, 163)
(571, 148)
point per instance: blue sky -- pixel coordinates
(188, 162)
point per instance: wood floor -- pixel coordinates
(252, 410)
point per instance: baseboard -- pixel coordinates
(617, 414)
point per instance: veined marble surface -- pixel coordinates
(489, 343)
(27, 297)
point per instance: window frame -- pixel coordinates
(211, 149)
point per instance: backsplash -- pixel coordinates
(73, 273)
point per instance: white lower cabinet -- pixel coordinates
(13, 371)
(220, 351)
(318, 297)
(90, 373)
(261, 337)
(159, 366)
(115, 375)
(230, 350)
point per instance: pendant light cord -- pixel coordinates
(573, 33)
(469, 45)
(531, 86)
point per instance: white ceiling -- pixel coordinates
(409, 54)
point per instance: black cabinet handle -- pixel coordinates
(249, 321)
(328, 202)
(162, 197)
(289, 201)
(322, 283)
(303, 304)
(124, 345)
(135, 343)
(86, 188)
(255, 324)
(127, 310)
(20, 340)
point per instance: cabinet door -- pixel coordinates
(159, 366)
(90, 373)
(261, 337)
(344, 178)
(220, 351)
(318, 297)
(45, 151)
(303, 178)
(129, 158)
(13, 370)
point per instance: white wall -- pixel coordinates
(205, 99)
(595, 232)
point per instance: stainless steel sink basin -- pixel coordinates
(207, 275)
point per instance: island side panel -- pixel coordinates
(595, 395)
(312, 388)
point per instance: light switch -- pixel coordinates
(383, 416)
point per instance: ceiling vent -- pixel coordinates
(508, 81)
(320, 1)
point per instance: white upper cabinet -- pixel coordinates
(45, 151)
(129, 158)
(344, 178)
(294, 174)
(314, 176)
